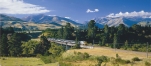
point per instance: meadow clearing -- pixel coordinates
(97, 51)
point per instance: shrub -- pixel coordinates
(136, 59)
(78, 56)
(38, 55)
(86, 55)
(3, 58)
(101, 59)
(64, 64)
(147, 63)
(121, 61)
(48, 59)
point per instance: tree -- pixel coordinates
(91, 28)
(105, 35)
(68, 30)
(136, 28)
(43, 46)
(56, 50)
(60, 32)
(29, 47)
(115, 41)
(3, 45)
(126, 44)
(14, 45)
(77, 46)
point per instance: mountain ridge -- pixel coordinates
(127, 21)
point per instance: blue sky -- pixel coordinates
(79, 10)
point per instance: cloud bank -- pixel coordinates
(20, 7)
(131, 14)
(91, 11)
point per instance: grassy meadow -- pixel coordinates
(126, 55)
(23, 61)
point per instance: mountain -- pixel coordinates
(8, 18)
(36, 22)
(115, 21)
(57, 20)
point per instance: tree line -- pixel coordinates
(118, 34)
(20, 44)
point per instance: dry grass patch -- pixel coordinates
(99, 51)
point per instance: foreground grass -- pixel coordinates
(23, 61)
(33, 61)
(99, 51)
(126, 55)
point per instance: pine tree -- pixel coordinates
(14, 45)
(115, 41)
(3, 45)
(68, 30)
(44, 45)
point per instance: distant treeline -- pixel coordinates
(19, 44)
(133, 34)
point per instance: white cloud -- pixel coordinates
(68, 17)
(91, 11)
(130, 14)
(20, 7)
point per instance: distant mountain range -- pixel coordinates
(8, 18)
(46, 19)
(42, 22)
(127, 21)
(36, 22)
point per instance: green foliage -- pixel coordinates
(147, 63)
(64, 64)
(101, 59)
(77, 46)
(68, 30)
(60, 33)
(44, 45)
(56, 50)
(119, 60)
(38, 55)
(91, 28)
(3, 45)
(136, 59)
(47, 59)
(78, 56)
(29, 47)
(14, 45)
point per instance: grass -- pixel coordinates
(23, 61)
(109, 52)
(126, 55)
(32, 61)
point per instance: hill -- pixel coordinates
(47, 19)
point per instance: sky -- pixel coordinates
(77, 10)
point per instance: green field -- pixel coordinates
(23, 61)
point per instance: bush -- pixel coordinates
(136, 59)
(38, 55)
(3, 58)
(121, 61)
(101, 59)
(147, 63)
(64, 64)
(48, 59)
(78, 56)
